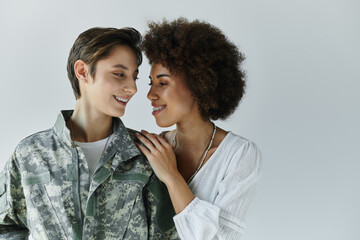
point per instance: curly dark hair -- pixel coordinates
(209, 62)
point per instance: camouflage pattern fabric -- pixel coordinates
(46, 191)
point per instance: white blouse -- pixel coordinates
(223, 189)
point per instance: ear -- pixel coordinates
(81, 70)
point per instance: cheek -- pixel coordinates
(185, 96)
(103, 92)
(108, 84)
(181, 101)
(110, 88)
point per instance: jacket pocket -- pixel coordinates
(37, 179)
(43, 207)
(116, 204)
(131, 185)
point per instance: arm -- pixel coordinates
(163, 161)
(12, 203)
(222, 219)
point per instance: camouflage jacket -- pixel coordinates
(46, 191)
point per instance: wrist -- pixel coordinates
(180, 193)
(174, 180)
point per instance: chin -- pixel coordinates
(120, 114)
(117, 114)
(164, 124)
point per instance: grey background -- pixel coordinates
(301, 106)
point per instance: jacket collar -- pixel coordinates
(122, 142)
(60, 126)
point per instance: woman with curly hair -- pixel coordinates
(209, 173)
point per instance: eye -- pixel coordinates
(160, 83)
(136, 78)
(121, 75)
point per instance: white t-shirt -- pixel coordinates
(93, 151)
(223, 189)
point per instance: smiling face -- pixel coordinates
(113, 84)
(170, 97)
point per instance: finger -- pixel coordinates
(153, 139)
(143, 149)
(146, 152)
(163, 141)
(146, 142)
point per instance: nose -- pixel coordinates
(152, 95)
(130, 87)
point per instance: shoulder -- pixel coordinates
(168, 135)
(35, 139)
(32, 150)
(132, 133)
(242, 153)
(236, 143)
(37, 143)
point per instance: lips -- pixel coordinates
(158, 108)
(121, 100)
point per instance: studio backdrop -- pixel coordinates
(301, 105)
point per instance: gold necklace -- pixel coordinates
(203, 156)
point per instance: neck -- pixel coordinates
(194, 133)
(88, 125)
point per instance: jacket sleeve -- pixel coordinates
(12, 203)
(160, 211)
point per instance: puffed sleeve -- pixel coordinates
(225, 217)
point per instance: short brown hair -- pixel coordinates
(209, 62)
(95, 44)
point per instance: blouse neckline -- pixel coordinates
(212, 156)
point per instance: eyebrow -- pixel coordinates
(123, 67)
(161, 75)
